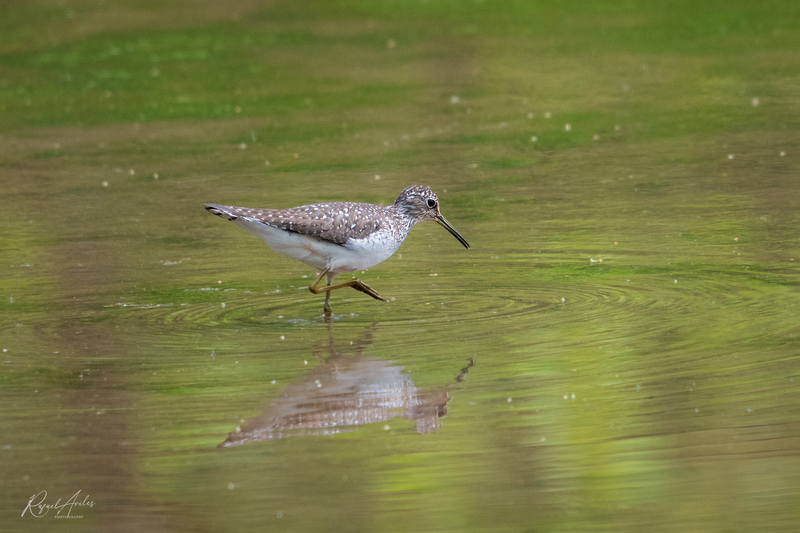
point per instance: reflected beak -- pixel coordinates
(446, 225)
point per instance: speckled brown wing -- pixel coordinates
(334, 222)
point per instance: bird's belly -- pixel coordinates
(364, 253)
(356, 254)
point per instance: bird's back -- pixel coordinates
(335, 222)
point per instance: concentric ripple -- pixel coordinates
(610, 305)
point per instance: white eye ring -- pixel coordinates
(431, 203)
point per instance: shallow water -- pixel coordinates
(618, 351)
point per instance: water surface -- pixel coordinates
(618, 351)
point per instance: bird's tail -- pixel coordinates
(225, 211)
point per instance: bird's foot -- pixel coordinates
(363, 287)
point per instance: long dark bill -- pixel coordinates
(446, 225)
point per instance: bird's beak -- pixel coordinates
(446, 225)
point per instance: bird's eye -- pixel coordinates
(431, 203)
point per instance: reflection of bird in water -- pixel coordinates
(339, 237)
(344, 392)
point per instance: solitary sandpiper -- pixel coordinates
(338, 237)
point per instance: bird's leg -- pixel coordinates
(357, 284)
(327, 307)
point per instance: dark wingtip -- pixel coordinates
(220, 211)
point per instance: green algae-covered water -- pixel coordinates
(617, 352)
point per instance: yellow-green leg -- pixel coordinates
(357, 284)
